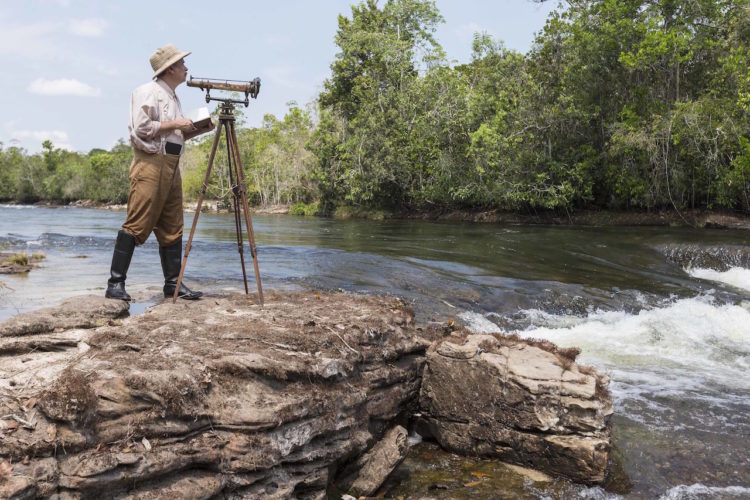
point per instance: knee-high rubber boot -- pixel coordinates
(124, 246)
(171, 261)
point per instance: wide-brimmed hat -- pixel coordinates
(164, 57)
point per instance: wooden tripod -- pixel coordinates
(239, 197)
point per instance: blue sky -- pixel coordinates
(68, 66)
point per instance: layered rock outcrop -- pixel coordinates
(204, 398)
(296, 399)
(526, 404)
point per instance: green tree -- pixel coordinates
(369, 92)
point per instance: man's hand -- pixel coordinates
(186, 125)
(198, 131)
(182, 124)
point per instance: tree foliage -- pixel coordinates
(275, 160)
(627, 104)
(620, 104)
(63, 176)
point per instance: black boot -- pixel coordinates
(124, 247)
(171, 261)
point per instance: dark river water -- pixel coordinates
(665, 312)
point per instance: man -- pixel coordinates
(158, 132)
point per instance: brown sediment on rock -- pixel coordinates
(221, 396)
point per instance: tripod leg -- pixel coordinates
(198, 208)
(236, 205)
(245, 208)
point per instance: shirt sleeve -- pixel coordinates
(145, 109)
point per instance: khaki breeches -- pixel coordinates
(155, 200)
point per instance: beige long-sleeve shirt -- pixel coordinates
(151, 104)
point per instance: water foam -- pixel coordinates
(700, 491)
(478, 323)
(17, 207)
(689, 342)
(692, 347)
(738, 277)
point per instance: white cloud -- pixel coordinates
(40, 135)
(27, 40)
(93, 27)
(40, 40)
(62, 86)
(59, 138)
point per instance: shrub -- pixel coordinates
(22, 259)
(307, 209)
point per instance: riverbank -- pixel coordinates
(593, 218)
(211, 206)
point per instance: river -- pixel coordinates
(664, 311)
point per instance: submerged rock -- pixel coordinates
(223, 397)
(18, 263)
(706, 256)
(531, 405)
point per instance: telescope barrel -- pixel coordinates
(252, 87)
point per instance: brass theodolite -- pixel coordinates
(236, 171)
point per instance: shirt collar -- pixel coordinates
(166, 87)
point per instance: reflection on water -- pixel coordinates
(672, 335)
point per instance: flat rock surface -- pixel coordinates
(218, 396)
(79, 312)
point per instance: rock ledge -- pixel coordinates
(222, 397)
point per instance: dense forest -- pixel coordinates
(622, 104)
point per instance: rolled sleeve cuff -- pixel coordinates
(148, 130)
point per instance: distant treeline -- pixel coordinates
(63, 176)
(626, 104)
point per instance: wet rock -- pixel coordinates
(706, 256)
(202, 399)
(364, 476)
(491, 396)
(726, 221)
(18, 263)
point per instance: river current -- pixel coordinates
(664, 311)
